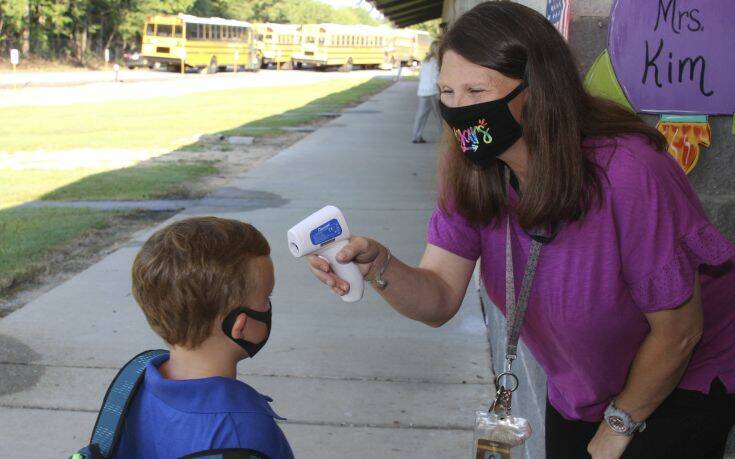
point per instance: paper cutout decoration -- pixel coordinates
(684, 134)
(601, 81)
(670, 57)
(674, 56)
(559, 13)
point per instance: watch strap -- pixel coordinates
(621, 422)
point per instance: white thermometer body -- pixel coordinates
(324, 233)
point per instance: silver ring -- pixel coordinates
(508, 375)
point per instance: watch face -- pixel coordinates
(616, 423)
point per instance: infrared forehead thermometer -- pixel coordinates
(324, 233)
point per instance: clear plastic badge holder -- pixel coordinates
(498, 434)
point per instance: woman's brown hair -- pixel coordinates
(558, 115)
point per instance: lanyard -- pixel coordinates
(514, 313)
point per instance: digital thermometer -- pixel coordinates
(324, 233)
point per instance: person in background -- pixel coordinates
(427, 92)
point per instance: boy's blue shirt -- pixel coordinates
(170, 419)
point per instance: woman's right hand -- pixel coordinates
(367, 254)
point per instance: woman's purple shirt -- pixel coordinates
(635, 253)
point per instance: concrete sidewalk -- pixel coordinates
(354, 380)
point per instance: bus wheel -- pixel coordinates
(213, 66)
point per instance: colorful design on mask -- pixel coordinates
(468, 137)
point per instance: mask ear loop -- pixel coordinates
(523, 85)
(229, 322)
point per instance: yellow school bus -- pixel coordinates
(202, 43)
(408, 47)
(277, 43)
(336, 45)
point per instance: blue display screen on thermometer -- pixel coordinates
(325, 232)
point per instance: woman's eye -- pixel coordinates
(475, 91)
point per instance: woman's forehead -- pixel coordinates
(456, 70)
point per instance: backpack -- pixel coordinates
(111, 418)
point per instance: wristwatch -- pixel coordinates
(620, 422)
(378, 282)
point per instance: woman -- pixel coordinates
(427, 92)
(631, 311)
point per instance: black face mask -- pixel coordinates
(265, 317)
(485, 130)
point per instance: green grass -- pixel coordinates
(29, 235)
(19, 186)
(171, 122)
(135, 183)
(307, 114)
(131, 183)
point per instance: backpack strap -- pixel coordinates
(120, 394)
(227, 453)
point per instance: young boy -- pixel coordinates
(204, 286)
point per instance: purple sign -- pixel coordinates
(675, 56)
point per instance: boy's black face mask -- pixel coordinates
(265, 317)
(484, 131)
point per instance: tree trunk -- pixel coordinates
(25, 47)
(109, 39)
(83, 43)
(4, 43)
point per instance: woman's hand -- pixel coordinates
(367, 254)
(607, 444)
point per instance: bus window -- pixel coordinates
(177, 31)
(191, 32)
(149, 29)
(164, 30)
(310, 39)
(321, 40)
(217, 33)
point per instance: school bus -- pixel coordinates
(408, 47)
(202, 43)
(337, 45)
(277, 43)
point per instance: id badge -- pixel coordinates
(500, 437)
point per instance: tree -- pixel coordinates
(431, 26)
(78, 28)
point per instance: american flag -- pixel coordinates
(559, 13)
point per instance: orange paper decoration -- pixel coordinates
(684, 140)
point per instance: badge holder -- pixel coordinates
(499, 434)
